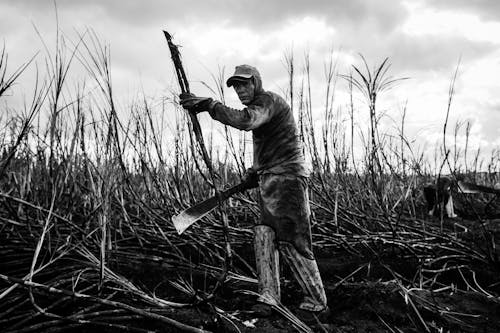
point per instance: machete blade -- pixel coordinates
(186, 218)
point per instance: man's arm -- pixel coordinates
(249, 118)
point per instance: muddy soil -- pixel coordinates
(371, 300)
(364, 292)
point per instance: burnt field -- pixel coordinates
(397, 273)
(87, 192)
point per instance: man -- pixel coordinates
(438, 195)
(282, 181)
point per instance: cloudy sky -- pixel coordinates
(423, 39)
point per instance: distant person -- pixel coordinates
(438, 196)
(280, 174)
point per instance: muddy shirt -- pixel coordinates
(277, 147)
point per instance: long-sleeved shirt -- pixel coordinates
(277, 148)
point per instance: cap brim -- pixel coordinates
(236, 78)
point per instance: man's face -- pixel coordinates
(245, 90)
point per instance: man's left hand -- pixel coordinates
(250, 178)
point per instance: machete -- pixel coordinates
(187, 217)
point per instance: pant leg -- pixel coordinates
(307, 274)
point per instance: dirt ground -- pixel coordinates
(367, 292)
(370, 304)
(370, 300)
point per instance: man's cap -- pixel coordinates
(242, 73)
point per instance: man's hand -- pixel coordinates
(192, 103)
(251, 178)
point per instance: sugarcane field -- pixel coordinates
(249, 167)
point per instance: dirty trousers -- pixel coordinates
(304, 270)
(286, 221)
(284, 204)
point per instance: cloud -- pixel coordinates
(489, 117)
(257, 14)
(485, 9)
(372, 28)
(436, 53)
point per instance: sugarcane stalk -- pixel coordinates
(184, 85)
(77, 295)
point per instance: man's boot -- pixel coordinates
(306, 273)
(266, 258)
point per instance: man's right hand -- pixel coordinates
(193, 103)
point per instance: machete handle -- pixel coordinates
(241, 187)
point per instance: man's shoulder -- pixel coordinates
(271, 97)
(265, 95)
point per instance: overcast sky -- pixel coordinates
(423, 39)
